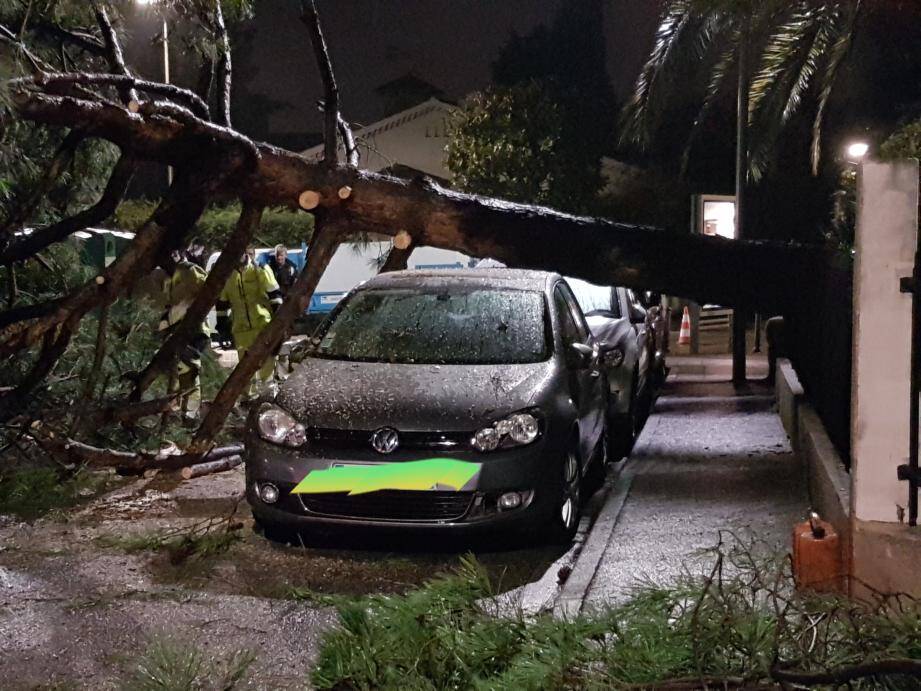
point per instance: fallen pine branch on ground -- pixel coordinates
(138, 461)
(741, 626)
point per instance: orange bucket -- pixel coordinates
(817, 563)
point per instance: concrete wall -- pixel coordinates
(829, 482)
(887, 226)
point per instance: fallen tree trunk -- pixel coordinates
(219, 466)
(768, 276)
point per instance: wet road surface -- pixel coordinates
(77, 610)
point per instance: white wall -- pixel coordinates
(887, 226)
(415, 137)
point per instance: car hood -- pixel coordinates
(367, 395)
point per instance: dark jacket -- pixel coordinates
(285, 274)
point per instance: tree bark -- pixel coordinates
(397, 259)
(224, 68)
(311, 20)
(219, 466)
(197, 312)
(114, 55)
(322, 248)
(769, 276)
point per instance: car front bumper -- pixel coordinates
(532, 471)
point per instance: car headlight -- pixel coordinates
(518, 429)
(614, 357)
(277, 426)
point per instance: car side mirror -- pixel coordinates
(580, 355)
(303, 350)
(637, 315)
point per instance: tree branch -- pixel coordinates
(54, 344)
(843, 675)
(767, 276)
(397, 259)
(32, 197)
(53, 82)
(311, 20)
(39, 239)
(174, 216)
(352, 155)
(224, 67)
(190, 325)
(114, 55)
(322, 247)
(11, 39)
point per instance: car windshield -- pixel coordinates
(441, 325)
(592, 298)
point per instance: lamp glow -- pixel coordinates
(857, 150)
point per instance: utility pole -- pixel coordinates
(739, 315)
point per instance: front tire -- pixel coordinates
(567, 509)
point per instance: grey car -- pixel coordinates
(492, 374)
(618, 321)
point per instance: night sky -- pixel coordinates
(449, 43)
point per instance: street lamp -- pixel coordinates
(857, 150)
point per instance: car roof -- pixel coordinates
(515, 279)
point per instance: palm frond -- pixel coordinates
(684, 35)
(724, 67)
(789, 60)
(840, 46)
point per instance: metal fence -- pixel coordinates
(818, 338)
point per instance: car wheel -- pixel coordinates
(568, 506)
(622, 430)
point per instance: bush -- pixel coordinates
(279, 226)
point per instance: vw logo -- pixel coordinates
(385, 440)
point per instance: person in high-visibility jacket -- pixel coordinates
(179, 290)
(250, 296)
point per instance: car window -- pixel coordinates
(572, 324)
(577, 315)
(592, 298)
(568, 331)
(438, 325)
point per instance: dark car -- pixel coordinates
(616, 320)
(448, 400)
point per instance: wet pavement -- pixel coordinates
(711, 458)
(78, 608)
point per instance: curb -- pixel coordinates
(571, 597)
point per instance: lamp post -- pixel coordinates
(164, 34)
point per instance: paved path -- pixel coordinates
(710, 458)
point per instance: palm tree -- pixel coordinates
(790, 52)
(778, 50)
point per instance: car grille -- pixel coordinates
(393, 505)
(328, 437)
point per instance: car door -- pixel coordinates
(637, 316)
(586, 383)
